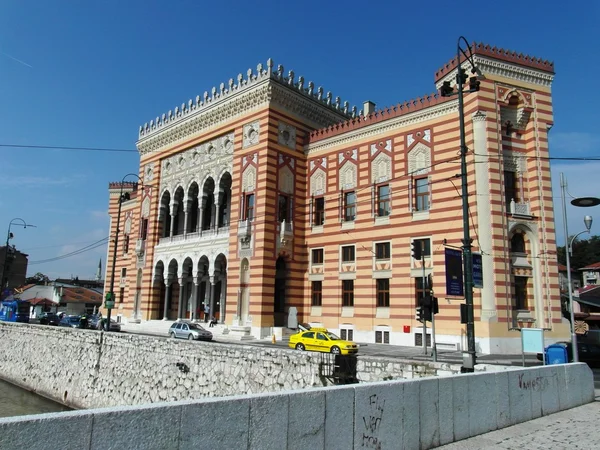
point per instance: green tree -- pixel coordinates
(38, 278)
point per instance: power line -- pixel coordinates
(52, 147)
(93, 246)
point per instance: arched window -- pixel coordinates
(517, 243)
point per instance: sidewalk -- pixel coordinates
(575, 428)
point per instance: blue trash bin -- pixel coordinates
(556, 354)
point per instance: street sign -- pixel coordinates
(454, 273)
(477, 270)
(109, 304)
(532, 341)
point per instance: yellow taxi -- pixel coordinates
(321, 340)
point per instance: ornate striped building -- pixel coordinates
(268, 196)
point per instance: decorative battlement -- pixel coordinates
(125, 184)
(378, 116)
(500, 54)
(232, 88)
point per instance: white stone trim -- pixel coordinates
(505, 69)
(386, 126)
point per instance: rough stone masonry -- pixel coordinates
(93, 369)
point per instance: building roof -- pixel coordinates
(80, 295)
(595, 266)
(501, 54)
(563, 268)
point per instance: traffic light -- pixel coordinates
(416, 249)
(446, 90)
(474, 84)
(419, 314)
(461, 76)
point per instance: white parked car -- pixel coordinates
(189, 330)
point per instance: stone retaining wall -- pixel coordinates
(92, 369)
(411, 414)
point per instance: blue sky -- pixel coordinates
(88, 74)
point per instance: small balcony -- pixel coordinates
(244, 228)
(140, 247)
(522, 209)
(286, 232)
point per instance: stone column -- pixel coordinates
(222, 299)
(202, 207)
(186, 208)
(181, 297)
(199, 218)
(167, 295)
(173, 212)
(484, 214)
(212, 296)
(213, 217)
(195, 299)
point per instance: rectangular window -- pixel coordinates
(382, 337)
(422, 194)
(284, 208)
(383, 292)
(319, 211)
(424, 245)
(347, 334)
(249, 212)
(144, 231)
(347, 292)
(317, 293)
(349, 206)
(348, 253)
(317, 256)
(419, 290)
(121, 295)
(126, 244)
(510, 188)
(521, 293)
(123, 272)
(383, 200)
(382, 250)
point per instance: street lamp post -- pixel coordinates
(581, 202)
(447, 91)
(110, 296)
(9, 236)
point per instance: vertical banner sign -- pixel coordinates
(477, 270)
(454, 273)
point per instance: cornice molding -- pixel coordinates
(503, 69)
(369, 131)
(265, 93)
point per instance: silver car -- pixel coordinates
(190, 331)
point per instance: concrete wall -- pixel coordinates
(92, 369)
(415, 414)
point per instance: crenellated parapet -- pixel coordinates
(124, 184)
(499, 54)
(379, 115)
(243, 83)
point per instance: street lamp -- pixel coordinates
(582, 202)
(110, 296)
(447, 91)
(9, 236)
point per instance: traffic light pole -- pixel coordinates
(470, 361)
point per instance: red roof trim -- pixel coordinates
(501, 54)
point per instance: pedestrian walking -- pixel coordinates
(206, 312)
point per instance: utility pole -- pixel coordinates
(446, 90)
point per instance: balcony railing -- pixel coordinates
(196, 235)
(520, 209)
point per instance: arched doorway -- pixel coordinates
(280, 303)
(159, 289)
